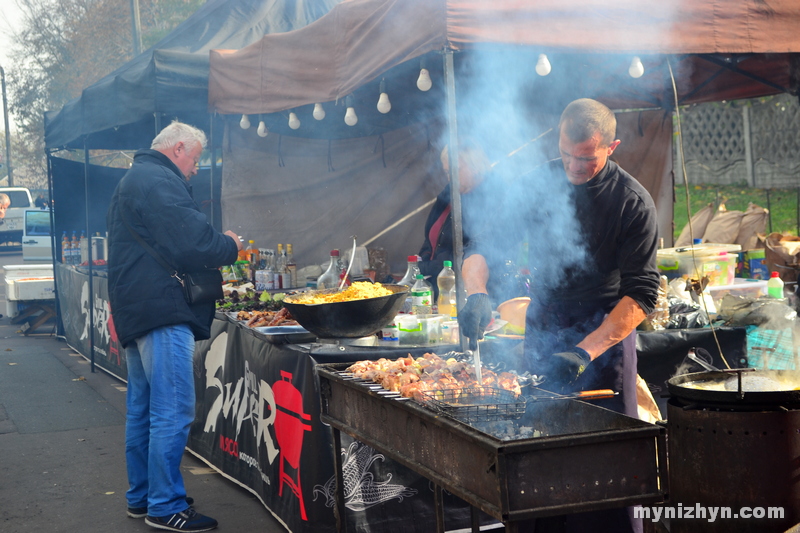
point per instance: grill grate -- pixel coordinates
(476, 404)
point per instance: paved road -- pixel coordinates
(62, 462)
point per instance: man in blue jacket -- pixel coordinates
(155, 323)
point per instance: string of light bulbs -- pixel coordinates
(424, 83)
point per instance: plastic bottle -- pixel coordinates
(75, 249)
(446, 281)
(330, 279)
(775, 286)
(83, 249)
(243, 252)
(252, 258)
(408, 279)
(66, 258)
(412, 270)
(421, 296)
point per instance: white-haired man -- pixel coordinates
(155, 323)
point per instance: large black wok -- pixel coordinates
(761, 388)
(351, 319)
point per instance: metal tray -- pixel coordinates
(286, 334)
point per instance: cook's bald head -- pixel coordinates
(583, 118)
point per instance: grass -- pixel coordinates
(782, 204)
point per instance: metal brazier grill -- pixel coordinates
(586, 458)
(733, 445)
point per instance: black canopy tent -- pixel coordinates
(125, 109)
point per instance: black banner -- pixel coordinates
(74, 301)
(258, 421)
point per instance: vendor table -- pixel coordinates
(258, 422)
(258, 419)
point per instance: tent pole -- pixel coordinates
(53, 238)
(91, 274)
(213, 166)
(452, 154)
(769, 211)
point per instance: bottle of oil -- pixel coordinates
(446, 281)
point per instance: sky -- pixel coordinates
(9, 17)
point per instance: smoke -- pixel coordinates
(523, 213)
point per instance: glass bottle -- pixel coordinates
(330, 279)
(421, 296)
(291, 266)
(278, 268)
(286, 276)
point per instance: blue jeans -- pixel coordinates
(160, 403)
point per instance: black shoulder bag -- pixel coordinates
(203, 286)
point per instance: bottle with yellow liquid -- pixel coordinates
(446, 281)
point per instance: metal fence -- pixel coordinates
(746, 142)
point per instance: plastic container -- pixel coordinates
(717, 261)
(450, 334)
(741, 287)
(419, 329)
(775, 286)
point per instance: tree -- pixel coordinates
(63, 46)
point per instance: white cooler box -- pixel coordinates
(27, 282)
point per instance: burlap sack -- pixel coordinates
(753, 222)
(700, 221)
(724, 227)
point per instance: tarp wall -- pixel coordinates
(315, 194)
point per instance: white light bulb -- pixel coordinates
(543, 67)
(262, 129)
(294, 122)
(424, 82)
(319, 112)
(636, 70)
(350, 117)
(244, 123)
(384, 105)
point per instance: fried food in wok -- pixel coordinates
(359, 290)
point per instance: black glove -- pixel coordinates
(474, 317)
(565, 367)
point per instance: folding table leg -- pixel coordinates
(339, 508)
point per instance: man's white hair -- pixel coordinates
(178, 132)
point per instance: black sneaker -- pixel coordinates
(188, 520)
(141, 512)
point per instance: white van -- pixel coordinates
(11, 226)
(36, 243)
